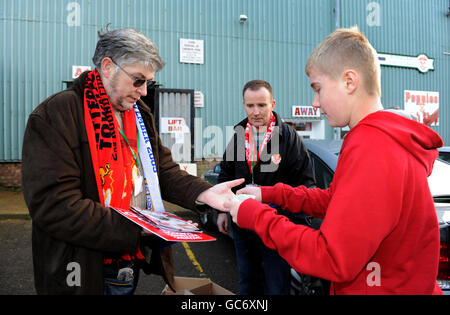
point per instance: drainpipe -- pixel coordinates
(337, 13)
(337, 21)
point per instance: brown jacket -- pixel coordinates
(69, 224)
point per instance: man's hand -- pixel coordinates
(218, 194)
(251, 190)
(222, 223)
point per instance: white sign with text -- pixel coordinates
(191, 51)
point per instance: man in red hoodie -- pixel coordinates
(380, 233)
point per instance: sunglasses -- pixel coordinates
(137, 82)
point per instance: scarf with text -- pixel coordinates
(111, 156)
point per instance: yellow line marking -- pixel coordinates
(192, 258)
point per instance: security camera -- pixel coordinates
(243, 18)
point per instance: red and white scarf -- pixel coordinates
(251, 153)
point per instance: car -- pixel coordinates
(324, 157)
(208, 219)
(212, 175)
(444, 154)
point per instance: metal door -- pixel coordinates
(174, 114)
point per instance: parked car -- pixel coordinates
(444, 154)
(208, 220)
(212, 175)
(324, 156)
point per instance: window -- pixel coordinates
(323, 174)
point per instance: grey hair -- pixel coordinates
(126, 47)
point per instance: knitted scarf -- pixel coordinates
(111, 156)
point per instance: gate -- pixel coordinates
(174, 115)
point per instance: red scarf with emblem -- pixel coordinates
(251, 153)
(111, 156)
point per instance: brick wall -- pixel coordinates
(204, 165)
(10, 175)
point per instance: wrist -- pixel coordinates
(246, 217)
(267, 194)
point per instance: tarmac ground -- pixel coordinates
(15, 245)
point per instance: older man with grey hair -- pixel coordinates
(92, 147)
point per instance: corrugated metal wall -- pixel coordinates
(40, 46)
(39, 49)
(410, 28)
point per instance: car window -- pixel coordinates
(323, 174)
(445, 156)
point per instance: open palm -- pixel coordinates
(218, 194)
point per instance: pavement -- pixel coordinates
(12, 205)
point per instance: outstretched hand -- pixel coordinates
(217, 195)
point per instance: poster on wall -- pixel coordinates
(423, 105)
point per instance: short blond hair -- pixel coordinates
(344, 49)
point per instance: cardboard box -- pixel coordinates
(195, 286)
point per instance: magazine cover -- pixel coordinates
(166, 225)
(165, 220)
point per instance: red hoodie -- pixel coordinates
(380, 233)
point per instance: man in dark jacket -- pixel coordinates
(94, 146)
(264, 151)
